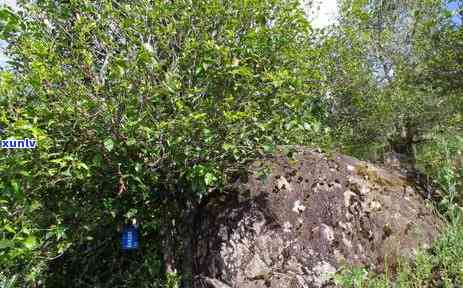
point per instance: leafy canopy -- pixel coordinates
(140, 109)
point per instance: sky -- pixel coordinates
(323, 13)
(9, 2)
(454, 6)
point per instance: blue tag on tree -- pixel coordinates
(129, 238)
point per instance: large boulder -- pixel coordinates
(297, 220)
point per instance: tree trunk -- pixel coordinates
(168, 252)
(405, 144)
(187, 257)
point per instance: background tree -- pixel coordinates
(385, 49)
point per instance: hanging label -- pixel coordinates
(130, 238)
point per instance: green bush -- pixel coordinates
(141, 109)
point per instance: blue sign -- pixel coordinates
(129, 238)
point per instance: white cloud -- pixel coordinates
(2, 56)
(11, 3)
(321, 13)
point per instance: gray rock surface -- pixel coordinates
(296, 220)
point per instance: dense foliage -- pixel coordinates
(144, 109)
(140, 111)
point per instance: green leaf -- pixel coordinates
(269, 148)
(17, 189)
(210, 179)
(30, 242)
(109, 144)
(60, 232)
(8, 228)
(4, 244)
